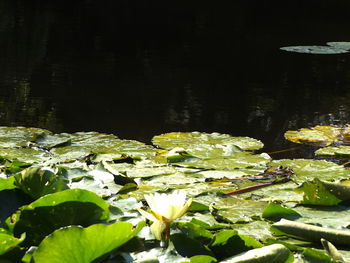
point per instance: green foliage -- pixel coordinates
(72, 192)
(84, 245)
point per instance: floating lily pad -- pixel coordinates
(84, 245)
(106, 146)
(52, 211)
(19, 136)
(318, 135)
(342, 150)
(56, 140)
(206, 145)
(341, 44)
(321, 50)
(27, 155)
(307, 169)
(240, 160)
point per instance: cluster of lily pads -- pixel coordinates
(80, 197)
(330, 48)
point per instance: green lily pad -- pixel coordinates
(52, 211)
(228, 243)
(49, 141)
(316, 193)
(19, 136)
(307, 169)
(275, 212)
(206, 145)
(188, 247)
(106, 146)
(321, 50)
(37, 182)
(334, 151)
(7, 184)
(8, 242)
(239, 161)
(26, 155)
(77, 242)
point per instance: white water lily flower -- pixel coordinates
(165, 208)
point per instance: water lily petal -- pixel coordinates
(147, 215)
(157, 229)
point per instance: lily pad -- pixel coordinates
(19, 136)
(228, 243)
(206, 145)
(340, 44)
(52, 211)
(318, 135)
(38, 182)
(27, 155)
(322, 50)
(342, 150)
(8, 242)
(239, 161)
(77, 242)
(307, 169)
(316, 193)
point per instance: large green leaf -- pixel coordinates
(75, 244)
(275, 212)
(316, 193)
(8, 242)
(188, 247)
(228, 243)
(38, 182)
(52, 211)
(7, 184)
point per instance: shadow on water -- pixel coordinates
(141, 68)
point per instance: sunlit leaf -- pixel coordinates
(318, 135)
(228, 243)
(8, 242)
(312, 232)
(84, 245)
(38, 182)
(315, 193)
(188, 247)
(276, 212)
(340, 151)
(276, 253)
(307, 169)
(52, 211)
(206, 145)
(19, 136)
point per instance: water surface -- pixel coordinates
(141, 68)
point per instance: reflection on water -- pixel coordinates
(141, 69)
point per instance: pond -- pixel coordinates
(141, 68)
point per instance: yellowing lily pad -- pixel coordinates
(206, 145)
(334, 151)
(318, 135)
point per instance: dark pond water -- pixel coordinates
(141, 68)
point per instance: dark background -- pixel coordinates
(141, 68)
